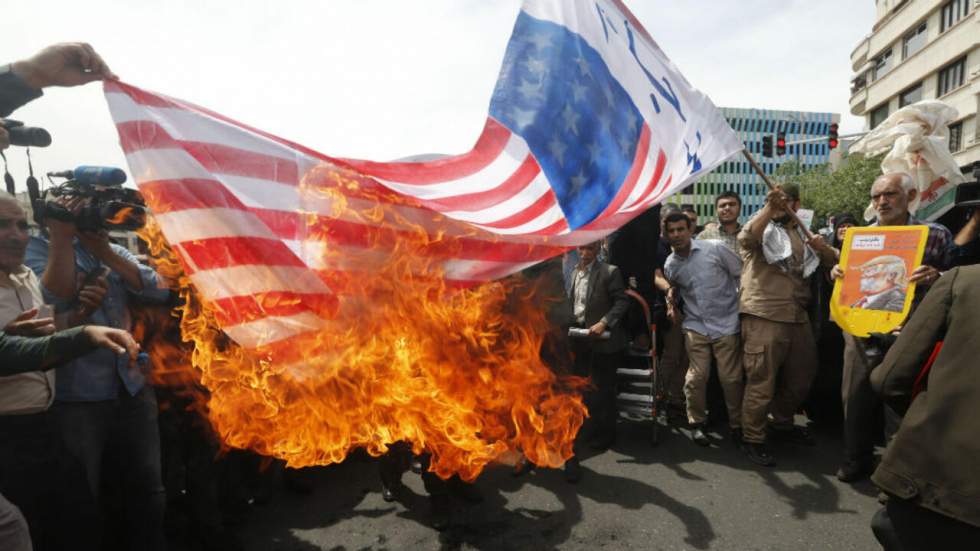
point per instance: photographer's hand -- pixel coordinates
(90, 297)
(66, 64)
(98, 244)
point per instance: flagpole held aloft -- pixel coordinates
(772, 186)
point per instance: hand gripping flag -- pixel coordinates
(589, 125)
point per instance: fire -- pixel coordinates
(122, 215)
(455, 372)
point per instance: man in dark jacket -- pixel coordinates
(929, 469)
(599, 302)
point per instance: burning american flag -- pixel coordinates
(294, 251)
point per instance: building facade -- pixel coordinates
(737, 174)
(922, 49)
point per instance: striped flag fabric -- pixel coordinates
(589, 125)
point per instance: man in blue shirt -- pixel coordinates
(100, 403)
(706, 274)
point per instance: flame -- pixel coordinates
(122, 215)
(455, 372)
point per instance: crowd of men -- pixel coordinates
(738, 301)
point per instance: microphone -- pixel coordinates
(25, 136)
(93, 175)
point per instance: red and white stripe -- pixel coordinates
(229, 199)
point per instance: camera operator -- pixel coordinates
(891, 195)
(100, 404)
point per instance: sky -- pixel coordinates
(386, 79)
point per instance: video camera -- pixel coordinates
(25, 136)
(968, 193)
(109, 207)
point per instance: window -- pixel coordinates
(952, 12)
(955, 137)
(910, 96)
(951, 76)
(879, 115)
(914, 41)
(882, 65)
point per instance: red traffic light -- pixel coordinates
(780, 143)
(832, 141)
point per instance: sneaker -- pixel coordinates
(573, 471)
(759, 454)
(699, 437)
(854, 471)
(796, 435)
(439, 511)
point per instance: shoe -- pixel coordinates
(439, 511)
(854, 471)
(796, 435)
(390, 493)
(573, 471)
(759, 454)
(736, 437)
(699, 437)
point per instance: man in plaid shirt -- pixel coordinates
(890, 196)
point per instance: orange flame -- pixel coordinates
(121, 215)
(456, 373)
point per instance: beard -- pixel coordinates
(781, 219)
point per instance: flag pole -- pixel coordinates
(772, 186)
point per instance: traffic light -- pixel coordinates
(781, 143)
(767, 146)
(832, 140)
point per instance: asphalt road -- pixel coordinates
(634, 496)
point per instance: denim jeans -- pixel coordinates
(123, 435)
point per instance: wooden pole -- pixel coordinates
(772, 186)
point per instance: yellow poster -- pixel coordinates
(875, 295)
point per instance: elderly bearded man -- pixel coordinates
(891, 195)
(779, 354)
(883, 284)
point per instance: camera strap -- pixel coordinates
(31, 180)
(7, 178)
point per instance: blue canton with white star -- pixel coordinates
(556, 92)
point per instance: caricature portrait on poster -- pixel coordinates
(875, 294)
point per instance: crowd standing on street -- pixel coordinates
(83, 465)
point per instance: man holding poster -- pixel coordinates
(891, 195)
